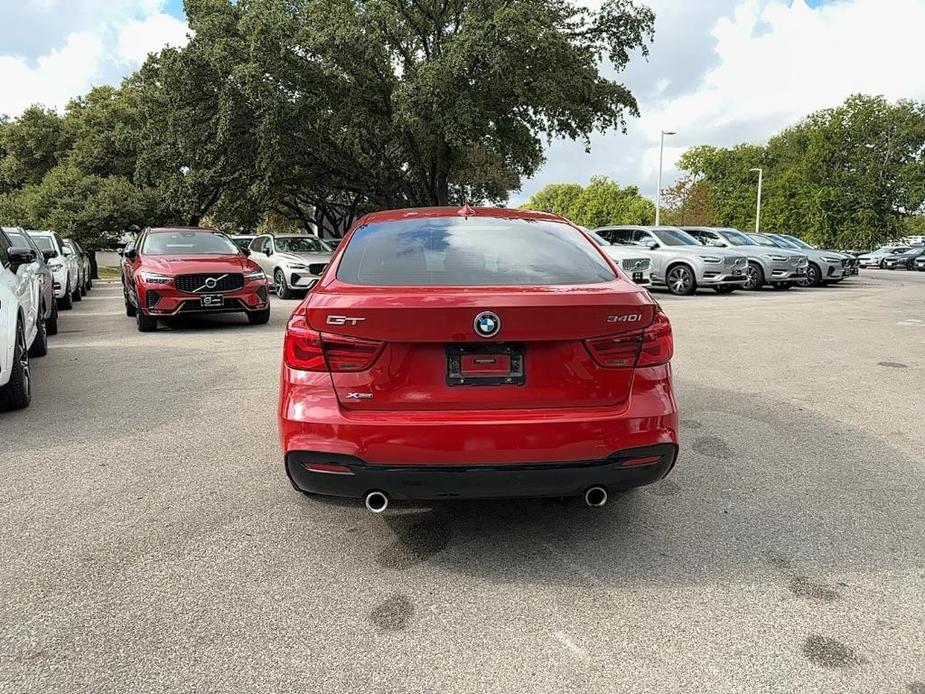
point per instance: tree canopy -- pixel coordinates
(600, 203)
(851, 176)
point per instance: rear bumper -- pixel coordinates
(320, 473)
(562, 447)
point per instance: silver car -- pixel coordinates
(635, 265)
(679, 261)
(824, 266)
(293, 262)
(779, 267)
(19, 238)
(876, 258)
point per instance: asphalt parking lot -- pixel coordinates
(151, 542)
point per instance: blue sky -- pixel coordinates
(720, 71)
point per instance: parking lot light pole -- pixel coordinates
(658, 193)
(758, 211)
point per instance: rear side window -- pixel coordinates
(455, 251)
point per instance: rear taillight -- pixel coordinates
(649, 347)
(306, 349)
(302, 347)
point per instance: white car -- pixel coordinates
(876, 258)
(635, 265)
(64, 264)
(22, 327)
(293, 263)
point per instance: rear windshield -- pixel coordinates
(188, 243)
(449, 251)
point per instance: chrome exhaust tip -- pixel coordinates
(377, 502)
(596, 497)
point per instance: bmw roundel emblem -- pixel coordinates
(487, 324)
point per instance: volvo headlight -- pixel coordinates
(779, 258)
(297, 266)
(154, 277)
(711, 259)
(253, 276)
(831, 259)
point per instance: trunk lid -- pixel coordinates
(434, 358)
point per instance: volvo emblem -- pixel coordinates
(211, 282)
(487, 324)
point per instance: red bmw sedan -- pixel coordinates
(475, 353)
(184, 270)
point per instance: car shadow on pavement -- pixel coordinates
(770, 490)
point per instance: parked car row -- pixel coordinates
(893, 257)
(683, 259)
(40, 274)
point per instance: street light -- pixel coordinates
(758, 211)
(658, 193)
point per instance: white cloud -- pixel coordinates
(139, 38)
(82, 43)
(722, 73)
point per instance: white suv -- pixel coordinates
(22, 327)
(64, 266)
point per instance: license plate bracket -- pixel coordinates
(212, 301)
(485, 365)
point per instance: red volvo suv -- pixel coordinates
(181, 270)
(467, 353)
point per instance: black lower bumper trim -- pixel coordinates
(434, 482)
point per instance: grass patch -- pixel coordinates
(109, 273)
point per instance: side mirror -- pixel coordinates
(651, 244)
(67, 251)
(246, 252)
(131, 254)
(20, 256)
(269, 251)
(49, 254)
(716, 243)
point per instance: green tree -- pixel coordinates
(32, 145)
(600, 203)
(557, 198)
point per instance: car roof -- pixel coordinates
(464, 211)
(161, 230)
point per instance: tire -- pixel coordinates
(66, 302)
(88, 285)
(279, 281)
(145, 323)
(813, 275)
(17, 393)
(39, 346)
(725, 288)
(679, 279)
(77, 296)
(129, 308)
(755, 277)
(259, 317)
(51, 324)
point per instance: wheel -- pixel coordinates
(754, 277)
(680, 281)
(66, 302)
(17, 393)
(259, 317)
(813, 275)
(51, 324)
(725, 288)
(88, 285)
(279, 280)
(129, 307)
(39, 346)
(145, 323)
